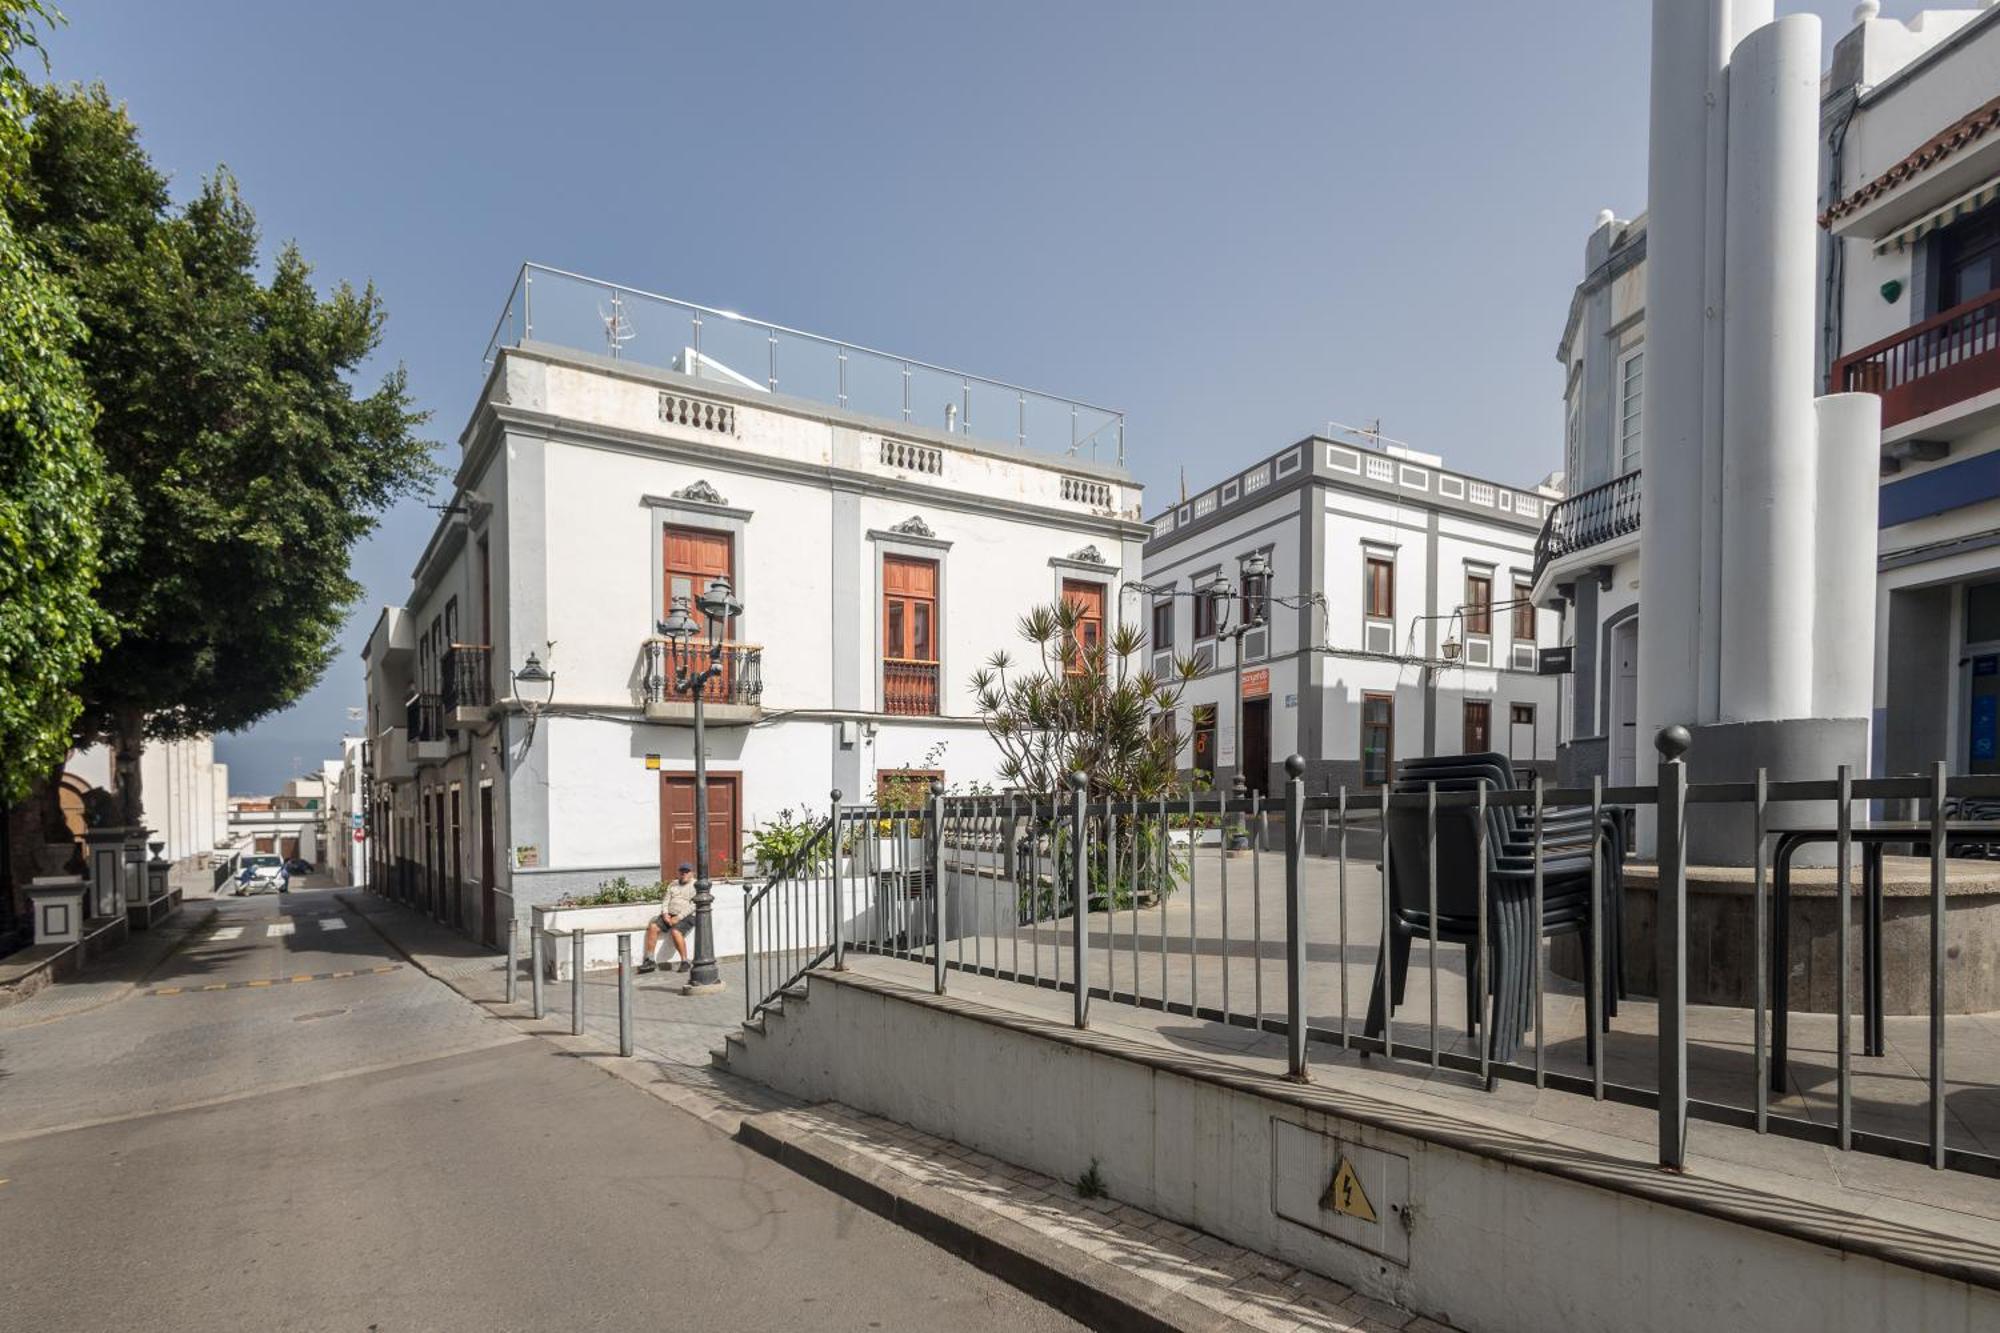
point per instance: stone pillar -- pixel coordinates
(57, 905)
(135, 865)
(104, 851)
(157, 871)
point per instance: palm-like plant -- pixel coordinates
(1092, 709)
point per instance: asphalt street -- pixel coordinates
(288, 1127)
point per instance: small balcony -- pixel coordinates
(736, 695)
(1599, 517)
(909, 688)
(468, 685)
(393, 757)
(1943, 362)
(423, 729)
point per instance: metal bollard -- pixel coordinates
(513, 958)
(1671, 943)
(576, 983)
(624, 995)
(536, 950)
(1079, 888)
(935, 869)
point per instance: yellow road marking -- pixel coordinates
(303, 976)
(284, 981)
(168, 990)
(260, 983)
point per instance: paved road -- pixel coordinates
(370, 1151)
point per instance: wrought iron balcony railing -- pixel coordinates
(1589, 519)
(1931, 365)
(468, 677)
(909, 688)
(424, 718)
(741, 681)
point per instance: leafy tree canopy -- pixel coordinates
(243, 463)
(51, 476)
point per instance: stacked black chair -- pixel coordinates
(1571, 841)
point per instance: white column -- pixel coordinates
(1769, 484)
(1844, 624)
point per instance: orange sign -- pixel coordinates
(1257, 683)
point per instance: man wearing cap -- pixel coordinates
(676, 918)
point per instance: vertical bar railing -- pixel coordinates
(1388, 912)
(1936, 1071)
(835, 922)
(1079, 888)
(1482, 961)
(513, 957)
(1295, 918)
(1843, 897)
(1593, 1042)
(1671, 935)
(1759, 1054)
(1340, 888)
(934, 873)
(1540, 887)
(1431, 885)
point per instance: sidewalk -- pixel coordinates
(113, 977)
(1099, 1260)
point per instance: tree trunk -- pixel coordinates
(128, 743)
(34, 824)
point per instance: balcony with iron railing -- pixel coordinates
(909, 688)
(1592, 518)
(564, 309)
(736, 695)
(1935, 364)
(468, 684)
(423, 729)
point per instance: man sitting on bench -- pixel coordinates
(676, 918)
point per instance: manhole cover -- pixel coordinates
(320, 1013)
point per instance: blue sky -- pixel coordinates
(1236, 222)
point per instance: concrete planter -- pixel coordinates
(601, 950)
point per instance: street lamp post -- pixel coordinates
(1255, 570)
(718, 607)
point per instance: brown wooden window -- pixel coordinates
(1524, 611)
(909, 635)
(1378, 738)
(1204, 613)
(1088, 599)
(1478, 603)
(1379, 587)
(691, 559)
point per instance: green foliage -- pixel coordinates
(243, 464)
(614, 891)
(1079, 709)
(784, 837)
(1090, 1185)
(51, 476)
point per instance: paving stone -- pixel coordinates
(1380, 1311)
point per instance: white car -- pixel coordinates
(263, 874)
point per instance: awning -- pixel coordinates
(1972, 200)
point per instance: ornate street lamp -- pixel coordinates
(719, 607)
(538, 679)
(1256, 571)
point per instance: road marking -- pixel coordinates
(332, 923)
(279, 928)
(226, 933)
(279, 981)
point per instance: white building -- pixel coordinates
(1397, 619)
(1910, 309)
(885, 523)
(345, 835)
(183, 792)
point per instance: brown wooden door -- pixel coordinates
(457, 856)
(1088, 599)
(694, 559)
(289, 848)
(677, 822)
(489, 896)
(1478, 726)
(1257, 745)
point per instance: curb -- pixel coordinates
(1095, 1292)
(129, 989)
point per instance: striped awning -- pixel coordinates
(1976, 198)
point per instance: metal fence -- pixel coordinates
(990, 886)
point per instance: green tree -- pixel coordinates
(243, 464)
(51, 476)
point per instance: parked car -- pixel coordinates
(263, 874)
(298, 866)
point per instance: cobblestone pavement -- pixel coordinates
(112, 977)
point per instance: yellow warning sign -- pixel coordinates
(1345, 1195)
(652, 761)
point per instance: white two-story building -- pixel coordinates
(884, 522)
(1909, 309)
(1395, 617)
